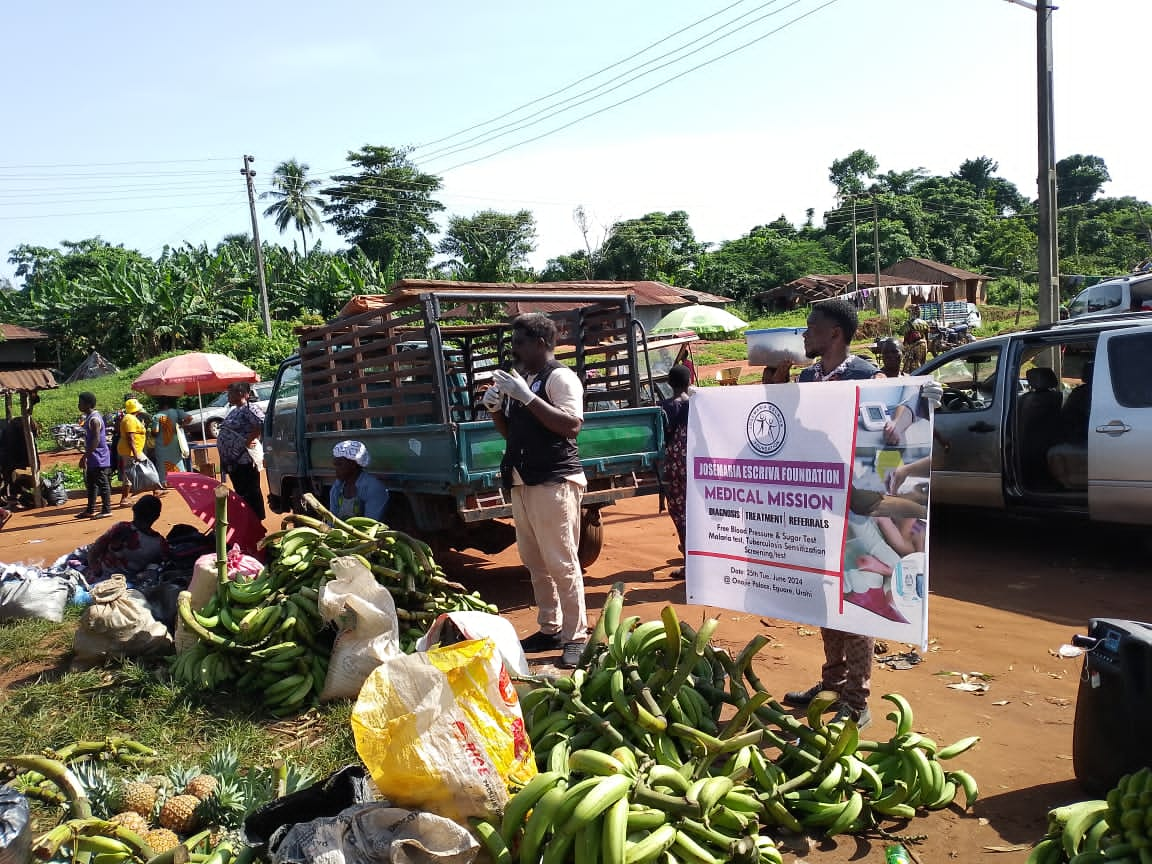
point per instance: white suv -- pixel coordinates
(1114, 297)
(212, 413)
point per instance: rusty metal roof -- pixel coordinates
(648, 292)
(26, 380)
(15, 331)
(935, 266)
(821, 286)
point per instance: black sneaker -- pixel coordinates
(83, 514)
(103, 514)
(844, 711)
(573, 651)
(801, 698)
(538, 642)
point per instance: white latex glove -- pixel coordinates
(492, 400)
(513, 386)
(933, 391)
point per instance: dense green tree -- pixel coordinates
(848, 174)
(768, 256)
(386, 209)
(1010, 245)
(489, 246)
(899, 182)
(1079, 178)
(980, 173)
(294, 199)
(569, 268)
(660, 246)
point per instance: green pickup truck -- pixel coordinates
(393, 372)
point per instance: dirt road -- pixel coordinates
(1005, 596)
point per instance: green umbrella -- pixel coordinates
(700, 319)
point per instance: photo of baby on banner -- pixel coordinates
(810, 503)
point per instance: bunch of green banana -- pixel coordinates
(102, 842)
(659, 690)
(263, 635)
(1118, 829)
(401, 563)
(609, 808)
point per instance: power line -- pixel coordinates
(580, 81)
(635, 96)
(214, 191)
(103, 212)
(113, 164)
(547, 112)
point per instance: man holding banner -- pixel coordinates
(791, 512)
(847, 668)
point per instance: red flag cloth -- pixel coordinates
(244, 527)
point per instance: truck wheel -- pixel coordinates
(212, 428)
(591, 537)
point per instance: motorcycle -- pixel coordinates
(68, 436)
(941, 338)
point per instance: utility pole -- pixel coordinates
(881, 292)
(1048, 295)
(248, 175)
(1046, 150)
(855, 263)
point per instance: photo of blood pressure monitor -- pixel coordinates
(873, 415)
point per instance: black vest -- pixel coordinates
(540, 456)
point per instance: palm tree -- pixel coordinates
(294, 201)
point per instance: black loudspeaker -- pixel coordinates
(1111, 736)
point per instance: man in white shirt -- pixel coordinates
(540, 417)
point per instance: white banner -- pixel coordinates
(809, 502)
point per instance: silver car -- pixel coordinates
(214, 412)
(1075, 437)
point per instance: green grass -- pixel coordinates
(29, 640)
(59, 405)
(710, 353)
(139, 701)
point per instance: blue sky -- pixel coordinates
(174, 95)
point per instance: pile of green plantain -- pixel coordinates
(265, 635)
(1117, 829)
(661, 747)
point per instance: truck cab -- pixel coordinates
(1058, 418)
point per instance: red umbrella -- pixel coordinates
(195, 372)
(244, 527)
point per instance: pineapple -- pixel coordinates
(297, 778)
(227, 807)
(162, 783)
(223, 764)
(139, 797)
(179, 776)
(133, 821)
(179, 813)
(202, 786)
(161, 840)
(101, 790)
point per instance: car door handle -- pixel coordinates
(1114, 427)
(982, 426)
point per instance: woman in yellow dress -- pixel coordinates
(130, 447)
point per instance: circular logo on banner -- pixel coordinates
(766, 429)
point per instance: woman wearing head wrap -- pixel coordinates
(130, 447)
(355, 492)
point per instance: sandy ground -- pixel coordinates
(1005, 595)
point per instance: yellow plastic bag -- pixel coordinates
(442, 731)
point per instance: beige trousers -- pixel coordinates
(547, 534)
